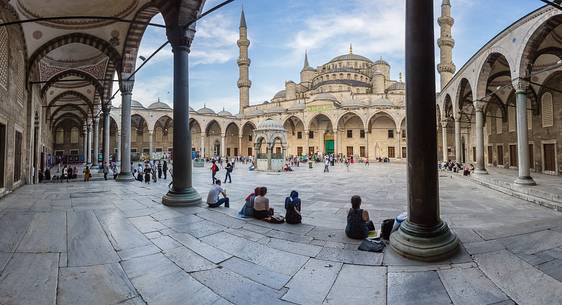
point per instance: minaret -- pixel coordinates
(307, 72)
(446, 43)
(244, 82)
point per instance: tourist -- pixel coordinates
(293, 208)
(87, 174)
(64, 174)
(466, 170)
(248, 207)
(213, 199)
(70, 173)
(214, 170)
(47, 174)
(358, 222)
(261, 205)
(326, 164)
(105, 170)
(146, 174)
(165, 169)
(159, 170)
(229, 168)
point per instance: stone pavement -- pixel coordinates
(111, 243)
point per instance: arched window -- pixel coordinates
(547, 110)
(59, 136)
(74, 135)
(4, 57)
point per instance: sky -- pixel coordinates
(281, 30)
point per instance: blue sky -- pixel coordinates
(281, 30)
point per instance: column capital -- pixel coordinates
(444, 123)
(106, 109)
(95, 120)
(126, 86)
(180, 37)
(479, 106)
(520, 85)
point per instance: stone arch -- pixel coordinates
(448, 111)
(163, 116)
(76, 73)
(135, 34)
(535, 37)
(347, 114)
(211, 124)
(293, 121)
(139, 133)
(82, 38)
(494, 68)
(383, 136)
(69, 115)
(66, 108)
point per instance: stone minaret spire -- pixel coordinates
(446, 43)
(244, 82)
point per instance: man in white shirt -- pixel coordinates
(213, 199)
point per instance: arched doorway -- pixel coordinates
(320, 135)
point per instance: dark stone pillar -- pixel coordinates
(423, 236)
(106, 135)
(182, 192)
(125, 174)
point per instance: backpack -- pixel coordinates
(371, 245)
(386, 228)
(275, 219)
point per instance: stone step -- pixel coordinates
(520, 281)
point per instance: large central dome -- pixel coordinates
(350, 56)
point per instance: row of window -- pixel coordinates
(548, 156)
(340, 65)
(349, 134)
(391, 151)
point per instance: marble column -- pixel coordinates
(445, 144)
(202, 145)
(458, 146)
(366, 143)
(150, 143)
(480, 164)
(118, 146)
(336, 143)
(182, 192)
(239, 145)
(96, 141)
(85, 144)
(89, 147)
(524, 177)
(125, 174)
(106, 136)
(399, 150)
(306, 149)
(223, 148)
(423, 236)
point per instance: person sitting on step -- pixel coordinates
(293, 208)
(213, 199)
(358, 222)
(261, 205)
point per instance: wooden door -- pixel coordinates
(391, 152)
(513, 155)
(549, 158)
(350, 151)
(500, 155)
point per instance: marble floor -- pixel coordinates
(105, 242)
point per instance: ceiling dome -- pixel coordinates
(136, 104)
(159, 105)
(205, 110)
(270, 124)
(325, 97)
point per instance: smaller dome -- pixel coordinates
(382, 62)
(191, 109)
(205, 110)
(270, 124)
(382, 102)
(159, 105)
(280, 94)
(224, 113)
(325, 97)
(136, 104)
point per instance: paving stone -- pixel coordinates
(134, 301)
(165, 243)
(416, 288)
(246, 234)
(294, 247)
(261, 229)
(155, 264)
(182, 220)
(199, 229)
(518, 279)
(237, 289)
(555, 253)
(311, 284)
(14, 225)
(520, 228)
(279, 261)
(483, 247)
(46, 233)
(121, 232)
(173, 288)
(209, 252)
(102, 284)
(256, 273)
(351, 256)
(147, 224)
(553, 268)
(467, 235)
(470, 287)
(533, 242)
(358, 285)
(536, 259)
(166, 214)
(138, 252)
(153, 235)
(30, 279)
(298, 238)
(4, 258)
(188, 260)
(87, 243)
(222, 219)
(333, 235)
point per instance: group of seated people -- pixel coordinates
(455, 167)
(256, 205)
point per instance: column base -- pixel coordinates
(185, 197)
(481, 172)
(424, 244)
(525, 181)
(125, 177)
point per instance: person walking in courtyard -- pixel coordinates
(70, 173)
(159, 170)
(358, 222)
(165, 169)
(228, 168)
(261, 205)
(105, 170)
(326, 164)
(213, 199)
(87, 174)
(146, 174)
(293, 208)
(214, 170)
(64, 174)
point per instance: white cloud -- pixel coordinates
(215, 40)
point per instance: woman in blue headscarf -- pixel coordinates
(293, 208)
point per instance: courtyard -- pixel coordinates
(105, 242)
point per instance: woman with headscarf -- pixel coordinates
(293, 208)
